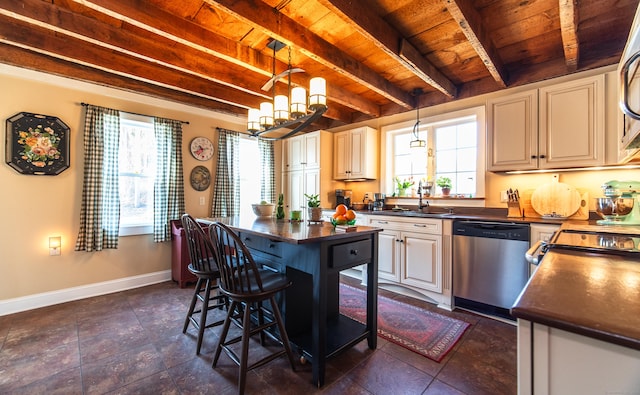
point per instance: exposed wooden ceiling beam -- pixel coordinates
(187, 33)
(389, 40)
(27, 59)
(284, 29)
(55, 44)
(569, 31)
(138, 44)
(471, 24)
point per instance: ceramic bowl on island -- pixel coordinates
(263, 209)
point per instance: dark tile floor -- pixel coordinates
(132, 343)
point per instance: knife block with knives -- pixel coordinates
(514, 209)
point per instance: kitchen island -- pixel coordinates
(312, 256)
(579, 321)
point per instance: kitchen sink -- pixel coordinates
(425, 213)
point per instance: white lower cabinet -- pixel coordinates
(410, 256)
(552, 361)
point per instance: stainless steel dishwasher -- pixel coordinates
(489, 265)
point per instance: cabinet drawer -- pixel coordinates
(350, 254)
(262, 244)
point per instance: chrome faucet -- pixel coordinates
(426, 203)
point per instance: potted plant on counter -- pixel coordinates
(313, 204)
(445, 185)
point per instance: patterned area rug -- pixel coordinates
(424, 332)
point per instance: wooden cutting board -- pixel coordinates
(529, 212)
(556, 197)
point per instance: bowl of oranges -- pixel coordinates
(343, 216)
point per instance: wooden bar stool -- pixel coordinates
(204, 267)
(247, 287)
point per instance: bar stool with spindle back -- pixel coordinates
(247, 287)
(204, 267)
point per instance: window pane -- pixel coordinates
(249, 175)
(456, 155)
(137, 163)
(466, 159)
(408, 163)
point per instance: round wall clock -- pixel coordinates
(37, 144)
(200, 178)
(201, 148)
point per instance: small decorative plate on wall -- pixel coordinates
(37, 144)
(200, 178)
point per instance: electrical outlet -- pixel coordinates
(555, 177)
(202, 200)
(504, 198)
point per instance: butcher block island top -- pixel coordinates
(296, 232)
(591, 294)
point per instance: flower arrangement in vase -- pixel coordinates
(403, 185)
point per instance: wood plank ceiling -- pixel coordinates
(379, 57)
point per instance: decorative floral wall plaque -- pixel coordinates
(37, 144)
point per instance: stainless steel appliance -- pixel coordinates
(489, 265)
(343, 196)
(378, 201)
(591, 239)
(629, 71)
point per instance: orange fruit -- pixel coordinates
(350, 215)
(337, 215)
(341, 209)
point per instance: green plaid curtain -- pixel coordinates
(267, 171)
(226, 194)
(100, 209)
(168, 200)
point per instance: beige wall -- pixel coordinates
(35, 207)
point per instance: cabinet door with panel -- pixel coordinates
(558, 126)
(512, 141)
(389, 255)
(356, 154)
(302, 152)
(572, 128)
(422, 261)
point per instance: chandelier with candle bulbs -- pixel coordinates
(294, 111)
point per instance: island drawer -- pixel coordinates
(350, 254)
(262, 244)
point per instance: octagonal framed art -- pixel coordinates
(37, 144)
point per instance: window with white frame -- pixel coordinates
(249, 174)
(136, 168)
(454, 149)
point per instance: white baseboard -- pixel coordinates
(10, 306)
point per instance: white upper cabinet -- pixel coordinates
(301, 152)
(559, 126)
(512, 140)
(356, 154)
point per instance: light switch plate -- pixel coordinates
(202, 200)
(504, 198)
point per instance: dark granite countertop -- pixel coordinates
(470, 213)
(591, 294)
(290, 231)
